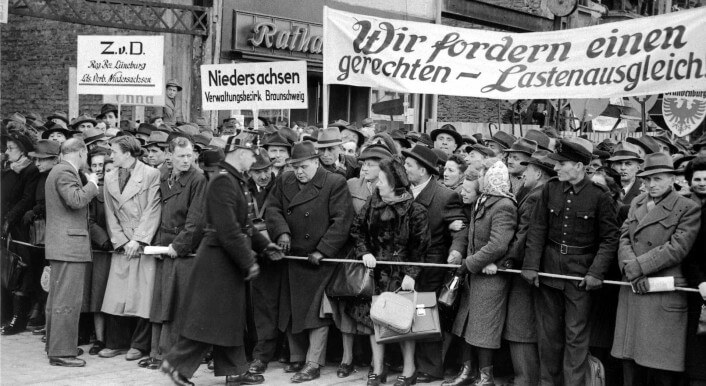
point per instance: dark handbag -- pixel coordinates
(449, 292)
(425, 325)
(13, 268)
(701, 328)
(37, 230)
(351, 280)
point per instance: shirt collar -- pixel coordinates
(418, 189)
(578, 187)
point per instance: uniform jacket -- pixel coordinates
(318, 218)
(444, 206)
(215, 312)
(651, 329)
(133, 214)
(67, 237)
(581, 216)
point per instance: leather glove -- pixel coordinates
(284, 242)
(253, 272)
(107, 246)
(315, 257)
(640, 285)
(273, 252)
(590, 283)
(28, 217)
(531, 276)
(632, 270)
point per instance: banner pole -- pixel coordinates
(119, 103)
(325, 105)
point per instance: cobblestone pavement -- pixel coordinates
(24, 362)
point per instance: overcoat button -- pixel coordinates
(585, 217)
(569, 201)
(306, 214)
(289, 212)
(306, 236)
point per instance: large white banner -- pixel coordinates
(648, 55)
(254, 86)
(120, 65)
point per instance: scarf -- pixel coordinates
(388, 211)
(496, 182)
(20, 164)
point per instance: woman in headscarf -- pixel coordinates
(391, 226)
(483, 304)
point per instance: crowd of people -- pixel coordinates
(81, 200)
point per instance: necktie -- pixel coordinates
(123, 177)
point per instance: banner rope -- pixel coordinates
(428, 265)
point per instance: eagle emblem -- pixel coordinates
(683, 114)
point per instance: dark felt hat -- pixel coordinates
(275, 139)
(571, 151)
(657, 163)
(303, 151)
(378, 151)
(23, 141)
(360, 137)
(146, 128)
(665, 140)
(542, 139)
(523, 145)
(262, 161)
(425, 156)
(46, 149)
(175, 83)
(82, 119)
(211, 158)
(55, 128)
(15, 117)
(450, 130)
(106, 108)
(92, 135)
(541, 159)
(59, 115)
(157, 138)
(646, 142)
(485, 150)
(503, 139)
(398, 135)
(441, 155)
(625, 155)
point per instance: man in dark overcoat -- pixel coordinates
(309, 212)
(574, 232)
(183, 189)
(444, 207)
(68, 249)
(214, 313)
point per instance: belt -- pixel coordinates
(570, 249)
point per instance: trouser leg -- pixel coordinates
(154, 342)
(549, 308)
(168, 337)
(186, 356)
(428, 358)
(142, 335)
(297, 346)
(265, 349)
(317, 345)
(118, 331)
(64, 307)
(229, 360)
(525, 361)
(577, 332)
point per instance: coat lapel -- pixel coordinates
(427, 194)
(657, 214)
(134, 184)
(310, 190)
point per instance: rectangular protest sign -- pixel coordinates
(648, 55)
(254, 86)
(120, 65)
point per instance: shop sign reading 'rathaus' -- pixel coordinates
(278, 37)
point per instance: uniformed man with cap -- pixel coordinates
(214, 313)
(574, 232)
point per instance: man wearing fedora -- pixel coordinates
(265, 289)
(516, 159)
(447, 139)
(109, 115)
(329, 145)
(661, 228)
(171, 111)
(500, 141)
(574, 232)
(444, 207)
(278, 149)
(627, 164)
(83, 123)
(309, 212)
(68, 249)
(521, 323)
(213, 313)
(95, 138)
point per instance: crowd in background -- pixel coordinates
(629, 210)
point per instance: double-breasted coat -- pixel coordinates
(182, 227)
(215, 310)
(651, 328)
(133, 214)
(318, 217)
(483, 306)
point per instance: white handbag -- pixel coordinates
(393, 311)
